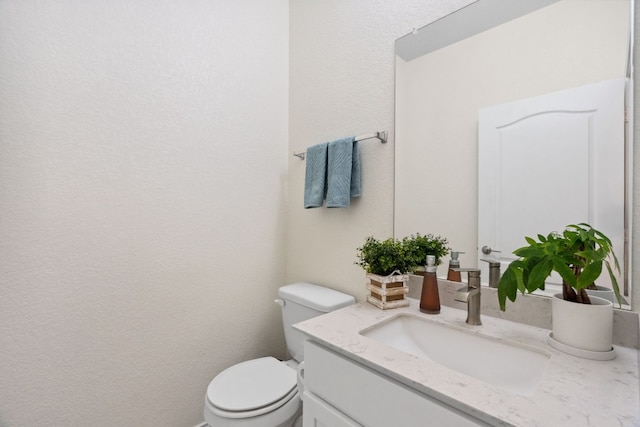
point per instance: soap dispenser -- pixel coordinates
(454, 264)
(430, 298)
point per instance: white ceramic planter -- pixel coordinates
(602, 292)
(586, 327)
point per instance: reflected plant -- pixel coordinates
(419, 246)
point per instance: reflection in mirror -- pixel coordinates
(563, 45)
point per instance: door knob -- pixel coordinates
(487, 250)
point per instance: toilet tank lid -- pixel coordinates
(316, 297)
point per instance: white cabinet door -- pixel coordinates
(317, 413)
(549, 161)
(369, 398)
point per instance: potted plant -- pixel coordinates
(385, 257)
(419, 246)
(578, 255)
(387, 263)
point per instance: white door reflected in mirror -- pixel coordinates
(571, 145)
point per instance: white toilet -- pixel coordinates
(264, 392)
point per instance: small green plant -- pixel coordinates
(577, 255)
(419, 246)
(384, 257)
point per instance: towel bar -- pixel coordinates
(382, 136)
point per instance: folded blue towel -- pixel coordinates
(343, 172)
(315, 179)
(356, 188)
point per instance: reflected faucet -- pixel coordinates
(494, 271)
(470, 295)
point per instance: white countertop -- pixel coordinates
(572, 392)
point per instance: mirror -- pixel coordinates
(442, 81)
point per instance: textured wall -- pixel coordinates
(342, 64)
(635, 222)
(142, 165)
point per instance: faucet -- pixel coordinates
(470, 295)
(494, 271)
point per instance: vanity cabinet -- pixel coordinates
(342, 392)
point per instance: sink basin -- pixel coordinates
(498, 362)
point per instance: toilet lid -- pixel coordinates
(251, 385)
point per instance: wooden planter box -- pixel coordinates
(388, 291)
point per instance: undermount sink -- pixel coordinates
(501, 363)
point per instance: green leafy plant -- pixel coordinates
(577, 255)
(419, 246)
(383, 257)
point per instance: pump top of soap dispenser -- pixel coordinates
(431, 264)
(454, 261)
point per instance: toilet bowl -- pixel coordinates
(256, 393)
(265, 392)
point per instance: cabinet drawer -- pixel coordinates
(317, 413)
(373, 399)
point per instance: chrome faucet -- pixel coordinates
(470, 294)
(494, 271)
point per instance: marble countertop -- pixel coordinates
(573, 391)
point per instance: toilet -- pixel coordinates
(264, 392)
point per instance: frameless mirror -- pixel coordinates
(489, 54)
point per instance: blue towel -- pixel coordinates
(343, 172)
(315, 179)
(356, 189)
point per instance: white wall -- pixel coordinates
(342, 83)
(143, 156)
(635, 222)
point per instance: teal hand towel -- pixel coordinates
(343, 172)
(356, 189)
(315, 179)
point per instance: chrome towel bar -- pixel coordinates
(382, 136)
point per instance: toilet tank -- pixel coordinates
(302, 301)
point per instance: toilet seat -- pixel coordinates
(252, 388)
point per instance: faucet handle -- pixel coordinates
(492, 262)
